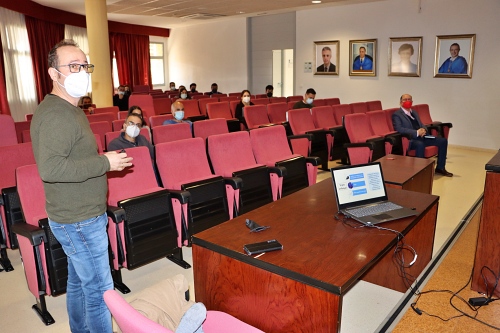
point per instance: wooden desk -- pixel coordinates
(488, 246)
(300, 288)
(408, 173)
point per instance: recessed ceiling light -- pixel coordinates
(316, 1)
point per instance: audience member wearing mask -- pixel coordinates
(127, 89)
(177, 110)
(214, 89)
(130, 136)
(245, 101)
(307, 102)
(172, 86)
(121, 99)
(192, 88)
(85, 103)
(269, 90)
(183, 94)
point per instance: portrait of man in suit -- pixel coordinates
(362, 57)
(454, 56)
(326, 54)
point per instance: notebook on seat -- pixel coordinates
(361, 194)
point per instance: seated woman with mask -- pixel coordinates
(245, 101)
(178, 113)
(183, 94)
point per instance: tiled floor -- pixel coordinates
(365, 306)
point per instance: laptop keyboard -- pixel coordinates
(373, 210)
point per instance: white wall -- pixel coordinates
(470, 104)
(268, 33)
(210, 52)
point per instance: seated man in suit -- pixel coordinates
(307, 102)
(407, 121)
(131, 137)
(327, 66)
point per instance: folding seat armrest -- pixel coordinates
(278, 170)
(450, 125)
(390, 139)
(315, 161)
(370, 145)
(182, 196)
(266, 125)
(35, 234)
(117, 214)
(433, 127)
(321, 131)
(235, 182)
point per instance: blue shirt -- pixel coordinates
(457, 66)
(173, 121)
(366, 64)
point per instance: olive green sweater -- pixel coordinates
(73, 173)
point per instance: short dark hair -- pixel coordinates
(192, 84)
(53, 58)
(131, 111)
(310, 91)
(456, 45)
(214, 84)
(269, 87)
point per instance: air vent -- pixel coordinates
(201, 16)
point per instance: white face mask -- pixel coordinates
(133, 131)
(179, 115)
(172, 87)
(309, 101)
(246, 99)
(76, 84)
(184, 96)
(121, 93)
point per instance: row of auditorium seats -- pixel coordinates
(204, 185)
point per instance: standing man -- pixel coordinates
(327, 66)
(406, 121)
(74, 178)
(455, 64)
(307, 102)
(363, 62)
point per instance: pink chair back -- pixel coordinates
(260, 101)
(339, 111)
(332, 101)
(323, 117)
(158, 120)
(110, 109)
(274, 100)
(301, 121)
(277, 112)
(205, 128)
(295, 98)
(219, 110)
(101, 128)
(359, 107)
(374, 105)
(162, 105)
(20, 126)
(172, 132)
(255, 116)
(191, 108)
(145, 102)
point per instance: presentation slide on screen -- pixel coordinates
(358, 184)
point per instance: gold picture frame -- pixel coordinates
(405, 56)
(454, 56)
(363, 63)
(327, 51)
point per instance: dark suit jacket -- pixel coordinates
(321, 68)
(402, 123)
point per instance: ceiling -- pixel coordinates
(172, 13)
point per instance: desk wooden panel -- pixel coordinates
(300, 288)
(408, 173)
(488, 242)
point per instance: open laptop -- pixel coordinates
(361, 194)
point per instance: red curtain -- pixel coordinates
(42, 36)
(4, 103)
(132, 58)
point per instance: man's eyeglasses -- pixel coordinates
(76, 68)
(131, 123)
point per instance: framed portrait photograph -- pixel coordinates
(326, 55)
(362, 57)
(454, 56)
(405, 56)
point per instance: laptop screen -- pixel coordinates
(358, 185)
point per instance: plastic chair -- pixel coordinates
(158, 120)
(365, 146)
(161, 105)
(301, 122)
(205, 128)
(256, 116)
(12, 157)
(20, 126)
(141, 227)
(270, 147)
(359, 107)
(9, 135)
(374, 105)
(172, 132)
(110, 109)
(222, 110)
(101, 128)
(131, 321)
(436, 127)
(231, 156)
(44, 261)
(198, 197)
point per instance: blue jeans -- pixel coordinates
(89, 275)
